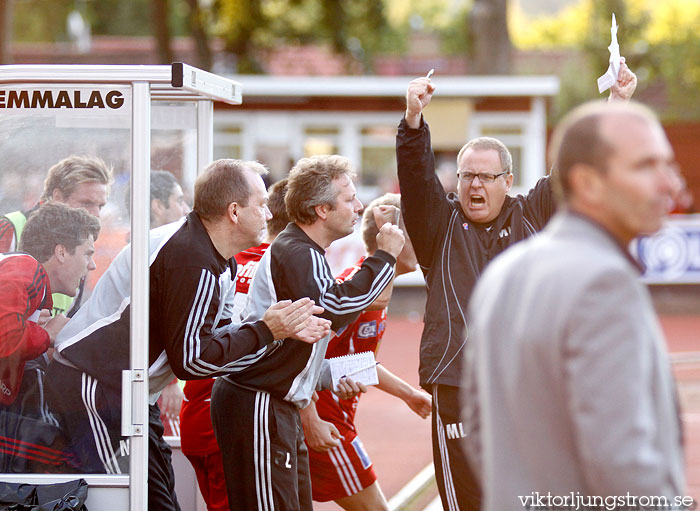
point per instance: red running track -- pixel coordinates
(398, 441)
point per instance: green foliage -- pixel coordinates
(455, 34)
(352, 27)
(660, 41)
(674, 54)
(447, 18)
(578, 85)
(38, 20)
(43, 20)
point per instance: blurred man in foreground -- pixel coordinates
(568, 386)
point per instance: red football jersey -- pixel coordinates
(247, 262)
(364, 334)
(25, 291)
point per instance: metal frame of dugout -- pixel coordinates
(176, 83)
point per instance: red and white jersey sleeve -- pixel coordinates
(247, 262)
(363, 334)
(25, 290)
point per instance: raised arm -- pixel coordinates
(424, 206)
(310, 276)
(626, 83)
(540, 202)
(385, 214)
(418, 95)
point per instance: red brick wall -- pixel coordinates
(685, 139)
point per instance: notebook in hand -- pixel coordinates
(360, 367)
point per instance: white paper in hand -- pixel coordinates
(610, 77)
(361, 367)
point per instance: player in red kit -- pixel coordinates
(341, 469)
(56, 247)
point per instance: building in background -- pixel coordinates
(283, 120)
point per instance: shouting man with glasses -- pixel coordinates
(455, 236)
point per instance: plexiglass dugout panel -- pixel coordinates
(68, 145)
(72, 145)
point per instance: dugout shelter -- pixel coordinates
(135, 118)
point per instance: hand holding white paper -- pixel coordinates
(610, 77)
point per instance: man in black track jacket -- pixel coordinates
(455, 236)
(192, 332)
(255, 410)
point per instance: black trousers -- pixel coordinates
(89, 413)
(161, 478)
(266, 462)
(459, 489)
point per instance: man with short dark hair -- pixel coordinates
(581, 352)
(79, 182)
(167, 205)
(255, 411)
(192, 282)
(167, 199)
(455, 237)
(56, 252)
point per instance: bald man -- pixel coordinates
(569, 391)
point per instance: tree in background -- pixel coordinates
(198, 23)
(492, 52)
(5, 30)
(161, 30)
(37, 20)
(659, 39)
(244, 27)
(674, 49)
(250, 27)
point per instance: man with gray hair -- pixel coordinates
(455, 236)
(569, 397)
(255, 411)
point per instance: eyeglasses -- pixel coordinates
(484, 178)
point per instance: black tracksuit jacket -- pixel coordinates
(453, 251)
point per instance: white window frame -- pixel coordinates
(349, 140)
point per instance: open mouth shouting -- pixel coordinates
(476, 200)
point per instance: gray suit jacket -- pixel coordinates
(575, 391)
